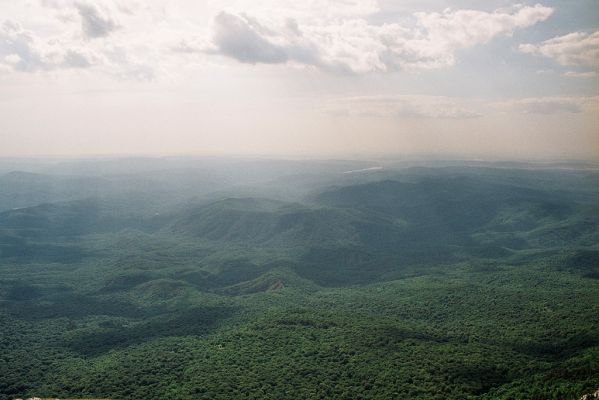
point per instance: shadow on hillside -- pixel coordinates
(199, 321)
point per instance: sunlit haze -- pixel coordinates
(309, 78)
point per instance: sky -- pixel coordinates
(322, 78)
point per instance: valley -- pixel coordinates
(262, 279)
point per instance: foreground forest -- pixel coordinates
(270, 279)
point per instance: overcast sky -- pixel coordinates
(308, 78)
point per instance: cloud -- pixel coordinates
(66, 44)
(96, 22)
(18, 48)
(577, 74)
(353, 44)
(553, 105)
(246, 40)
(573, 49)
(443, 107)
(407, 106)
(442, 34)
(336, 36)
(22, 50)
(189, 46)
(77, 60)
(312, 12)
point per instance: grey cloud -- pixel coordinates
(247, 40)
(75, 59)
(95, 22)
(241, 39)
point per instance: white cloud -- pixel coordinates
(444, 33)
(355, 45)
(410, 106)
(573, 49)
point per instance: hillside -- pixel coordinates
(408, 283)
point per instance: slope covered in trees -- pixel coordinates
(303, 281)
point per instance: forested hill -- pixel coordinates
(257, 279)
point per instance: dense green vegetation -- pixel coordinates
(287, 280)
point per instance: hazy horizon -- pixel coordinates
(374, 157)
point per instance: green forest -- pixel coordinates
(271, 279)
